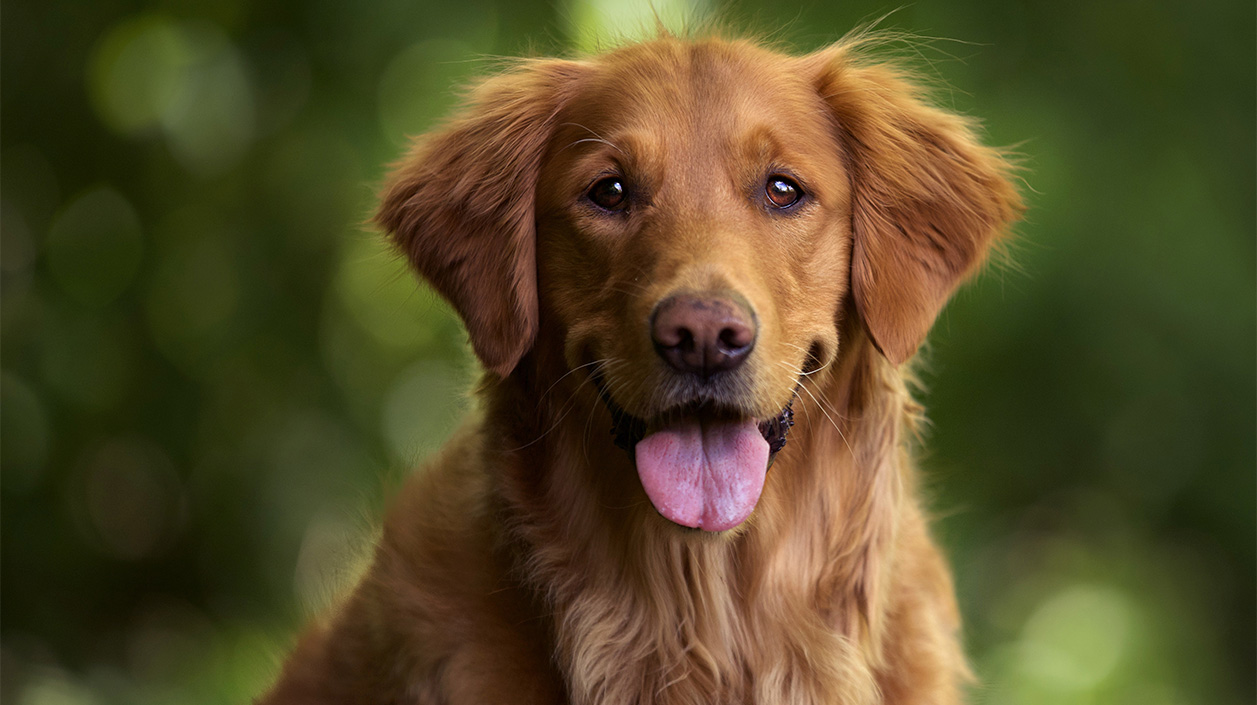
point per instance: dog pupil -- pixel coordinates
(782, 193)
(608, 193)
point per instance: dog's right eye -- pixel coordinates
(608, 194)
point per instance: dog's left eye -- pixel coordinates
(782, 192)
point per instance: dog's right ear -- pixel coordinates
(460, 206)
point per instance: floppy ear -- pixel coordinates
(927, 199)
(460, 206)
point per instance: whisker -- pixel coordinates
(568, 404)
(565, 375)
(800, 373)
(808, 353)
(596, 137)
(609, 386)
(819, 404)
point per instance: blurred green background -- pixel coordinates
(213, 373)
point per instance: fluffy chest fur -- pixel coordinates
(793, 609)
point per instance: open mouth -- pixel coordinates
(701, 466)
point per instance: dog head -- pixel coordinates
(694, 219)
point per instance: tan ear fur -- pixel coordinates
(928, 199)
(461, 206)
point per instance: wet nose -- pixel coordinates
(702, 334)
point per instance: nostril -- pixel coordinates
(674, 338)
(735, 338)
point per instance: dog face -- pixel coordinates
(690, 221)
(693, 243)
(693, 229)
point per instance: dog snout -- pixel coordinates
(703, 334)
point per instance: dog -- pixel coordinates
(695, 271)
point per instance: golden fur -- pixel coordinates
(524, 563)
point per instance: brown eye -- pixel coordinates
(782, 192)
(608, 193)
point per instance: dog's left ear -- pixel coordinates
(461, 206)
(928, 199)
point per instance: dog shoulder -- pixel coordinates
(438, 604)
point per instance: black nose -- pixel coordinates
(702, 334)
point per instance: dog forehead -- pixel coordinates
(679, 88)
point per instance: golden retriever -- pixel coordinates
(723, 255)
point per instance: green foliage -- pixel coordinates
(213, 373)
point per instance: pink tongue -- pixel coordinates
(704, 475)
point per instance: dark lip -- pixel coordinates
(628, 430)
